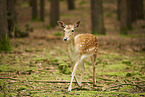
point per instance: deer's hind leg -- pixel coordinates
(93, 59)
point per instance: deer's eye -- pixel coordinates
(72, 31)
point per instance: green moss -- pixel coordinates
(142, 57)
(126, 88)
(117, 74)
(14, 68)
(126, 62)
(129, 74)
(12, 94)
(64, 69)
(115, 67)
(5, 44)
(89, 94)
(22, 87)
(58, 34)
(39, 59)
(54, 60)
(6, 68)
(142, 94)
(28, 50)
(40, 95)
(2, 94)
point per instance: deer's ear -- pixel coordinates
(61, 24)
(77, 24)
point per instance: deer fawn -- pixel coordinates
(80, 47)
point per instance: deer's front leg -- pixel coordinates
(73, 74)
(72, 62)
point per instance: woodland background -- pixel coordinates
(33, 55)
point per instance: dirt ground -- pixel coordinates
(39, 65)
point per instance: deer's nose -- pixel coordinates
(65, 39)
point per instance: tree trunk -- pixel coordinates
(118, 9)
(4, 40)
(97, 17)
(15, 1)
(30, 2)
(136, 8)
(125, 16)
(71, 4)
(130, 12)
(140, 9)
(42, 10)
(34, 9)
(54, 12)
(12, 17)
(133, 10)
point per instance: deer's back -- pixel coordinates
(86, 43)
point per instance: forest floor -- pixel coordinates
(39, 65)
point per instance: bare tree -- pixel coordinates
(4, 40)
(125, 22)
(133, 8)
(42, 10)
(54, 12)
(140, 9)
(130, 11)
(118, 9)
(136, 8)
(34, 9)
(71, 4)
(12, 17)
(30, 2)
(97, 17)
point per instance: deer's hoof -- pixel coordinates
(69, 89)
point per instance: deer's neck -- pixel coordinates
(71, 44)
(72, 50)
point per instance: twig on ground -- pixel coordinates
(139, 86)
(56, 81)
(8, 78)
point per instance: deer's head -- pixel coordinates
(69, 30)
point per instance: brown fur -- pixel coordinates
(86, 43)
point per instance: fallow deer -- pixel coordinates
(80, 47)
